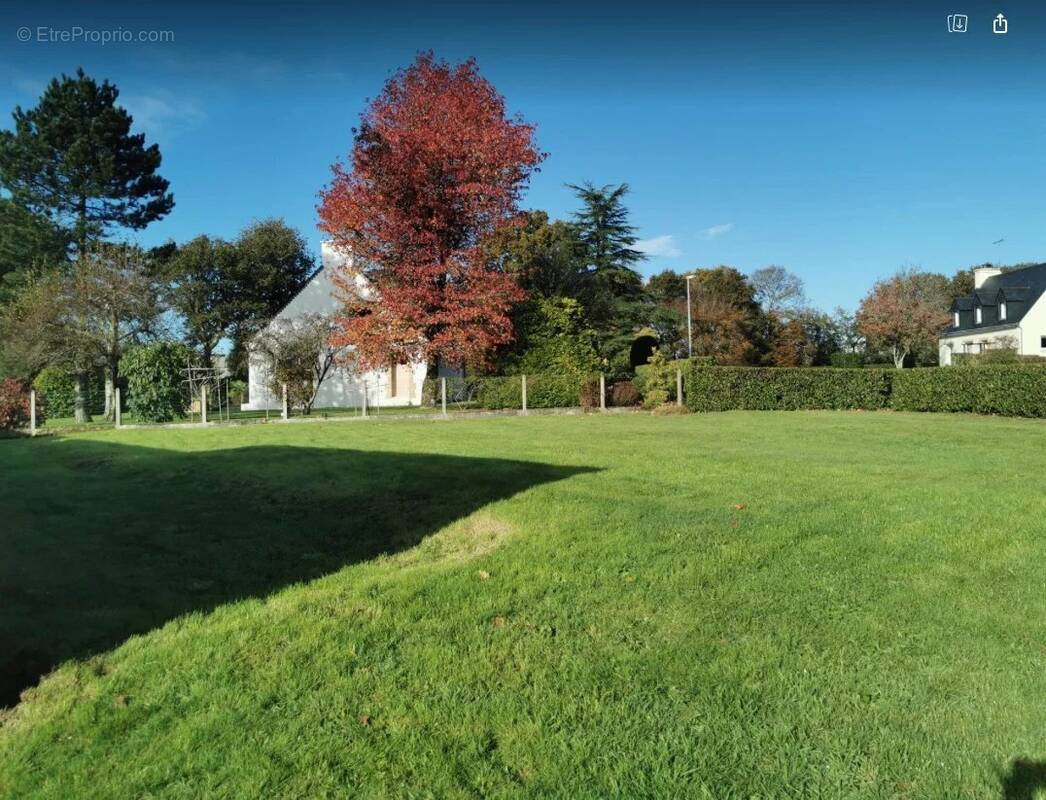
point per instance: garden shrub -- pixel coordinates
(1018, 390)
(654, 398)
(546, 390)
(847, 360)
(57, 388)
(590, 393)
(155, 381)
(15, 403)
(663, 376)
(625, 393)
(785, 388)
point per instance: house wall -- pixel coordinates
(1033, 328)
(343, 387)
(1026, 336)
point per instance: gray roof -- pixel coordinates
(1019, 288)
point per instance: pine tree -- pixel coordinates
(74, 161)
(609, 239)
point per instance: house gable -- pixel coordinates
(999, 304)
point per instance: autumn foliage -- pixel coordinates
(900, 314)
(437, 168)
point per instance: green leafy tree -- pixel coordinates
(199, 278)
(272, 263)
(156, 386)
(81, 319)
(28, 241)
(554, 337)
(546, 258)
(74, 161)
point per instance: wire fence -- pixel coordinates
(216, 402)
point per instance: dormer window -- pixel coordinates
(955, 319)
(978, 317)
(1002, 310)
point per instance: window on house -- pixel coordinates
(1002, 311)
(977, 316)
(955, 319)
(1042, 342)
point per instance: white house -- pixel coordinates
(1006, 310)
(397, 385)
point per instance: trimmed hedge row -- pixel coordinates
(1016, 390)
(786, 388)
(547, 390)
(1011, 391)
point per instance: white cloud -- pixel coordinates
(664, 246)
(161, 112)
(716, 231)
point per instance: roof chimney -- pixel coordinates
(981, 274)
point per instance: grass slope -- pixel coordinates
(724, 606)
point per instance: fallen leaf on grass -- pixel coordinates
(121, 700)
(483, 575)
(740, 506)
(499, 622)
(364, 720)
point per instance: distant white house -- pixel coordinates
(396, 385)
(1006, 310)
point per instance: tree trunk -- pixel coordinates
(82, 401)
(898, 357)
(110, 386)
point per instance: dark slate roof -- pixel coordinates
(1020, 288)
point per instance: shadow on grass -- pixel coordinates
(101, 541)
(1024, 779)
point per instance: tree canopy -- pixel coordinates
(437, 169)
(74, 161)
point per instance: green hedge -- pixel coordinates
(785, 388)
(1012, 391)
(58, 389)
(545, 390)
(847, 360)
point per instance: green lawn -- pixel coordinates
(743, 605)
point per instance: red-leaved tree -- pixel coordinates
(437, 168)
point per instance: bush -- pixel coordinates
(625, 393)
(785, 388)
(14, 405)
(847, 360)
(590, 393)
(1013, 391)
(155, 381)
(663, 376)
(654, 398)
(543, 391)
(57, 388)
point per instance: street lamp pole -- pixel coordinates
(689, 322)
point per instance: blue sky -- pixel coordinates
(840, 141)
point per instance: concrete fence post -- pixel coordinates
(203, 404)
(524, 385)
(679, 387)
(116, 407)
(443, 394)
(602, 392)
(285, 410)
(364, 398)
(32, 412)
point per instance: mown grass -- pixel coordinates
(740, 605)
